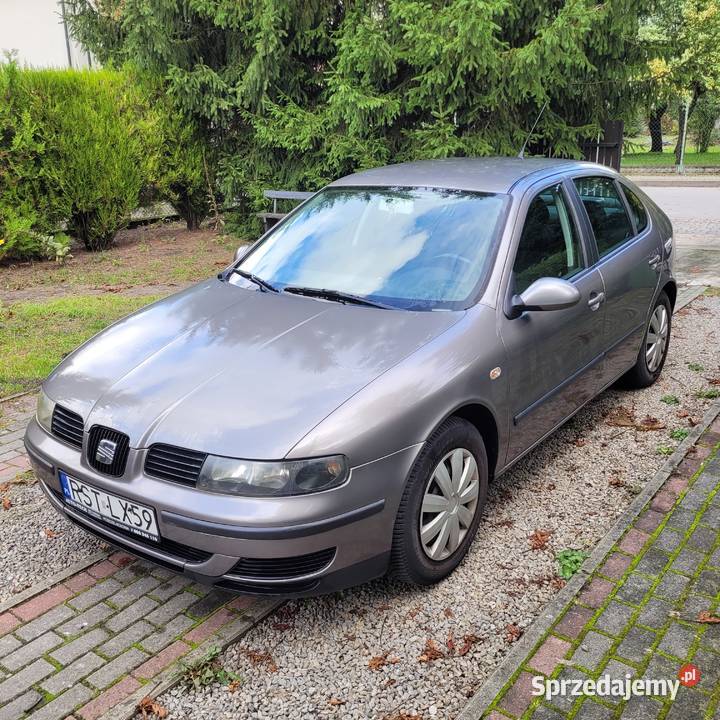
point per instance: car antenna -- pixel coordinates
(521, 154)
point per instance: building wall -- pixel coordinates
(35, 30)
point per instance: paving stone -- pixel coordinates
(705, 483)
(595, 592)
(653, 562)
(61, 706)
(681, 519)
(74, 649)
(677, 641)
(649, 521)
(664, 501)
(614, 618)
(130, 593)
(711, 638)
(618, 670)
(615, 566)
(689, 703)
(711, 516)
(81, 581)
(660, 668)
(68, 676)
(103, 702)
(668, 539)
(636, 645)
(45, 622)
(671, 586)
(171, 587)
(95, 594)
(591, 710)
(634, 541)
(163, 573)
(22, 680)
(8, 622)
(694, 604)
(42, 603)
(715, 559)
(138, 610)
(102, 569)
(8, 644)
(709, 665)
(129, 636)
(208, 604)
(15, 709)
(172, 607)
(591, 651)
(565, 703)
(693, 501)
(31, 651)
(172, 630)
(687, 562)
(634, 589)
(116, 668)
(641, 708)
(86, 620)
(708, 583)
(130, 573)
(518, 697)
(573, 621)
(154, 665)
(703, 539)
(205, 629)
(549, 654)
(541, 712)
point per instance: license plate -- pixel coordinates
(117, 511)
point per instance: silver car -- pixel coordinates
(335, 403)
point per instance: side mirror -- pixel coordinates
(545, 294)
(239, 253)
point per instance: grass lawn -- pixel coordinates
(667, 158)
(35, 336)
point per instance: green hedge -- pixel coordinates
(79, 148)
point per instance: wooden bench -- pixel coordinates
(270, 218)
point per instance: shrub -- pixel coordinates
(76, 148)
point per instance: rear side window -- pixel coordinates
(637, 209)
(549, 245)
(606, 210)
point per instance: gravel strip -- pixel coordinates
(29, 553)
(573, 486)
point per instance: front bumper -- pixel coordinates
(292, 546)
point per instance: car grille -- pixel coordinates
(117, 467)
(283, 568)
(67, 425)
(175, 464)
(179, 551)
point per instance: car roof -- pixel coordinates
(482, 174)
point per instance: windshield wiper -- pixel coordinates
(263, 284)
(336, 296)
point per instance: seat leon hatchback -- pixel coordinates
(334, 404)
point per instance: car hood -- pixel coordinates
(235, 372)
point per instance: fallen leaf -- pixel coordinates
(504, 523)
(448, 613)
(281, 626)
(621, 417)
(616, 481)
(682, 413)
(558, 583)
(580, 442)
(336, 702)
(380, 661)
(150, 708)
(468, 642)
(539, 539)
(512, 632)
(692, 421)
(714, 381)
(233, 685)
(6, 503)
(390, 682)
(431, 652)
(412, 613)
(401, 716)
(450, 642)
(257, 657)
(650, 423)
(707, 617)
(50, 533)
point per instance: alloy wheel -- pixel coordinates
(449, 504)
(656, 340)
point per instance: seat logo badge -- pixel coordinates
(105, 452)
(495, 373)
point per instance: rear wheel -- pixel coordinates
(441, 507)
(654, 348)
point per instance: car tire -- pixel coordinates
(411, 560)
(644, 373)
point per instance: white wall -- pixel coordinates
(35, 29)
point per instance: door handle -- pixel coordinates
(654, 261)
(596, 300)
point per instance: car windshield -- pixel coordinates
(411, 248)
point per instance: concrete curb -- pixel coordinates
(173, 675)
(479, 703)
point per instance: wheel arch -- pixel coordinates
(670, 289)
(483, 419)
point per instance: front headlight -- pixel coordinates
(44, 412)
(256, 478)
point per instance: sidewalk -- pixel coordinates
(637, 615)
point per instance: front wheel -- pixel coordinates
(442, 503)
(654, 348)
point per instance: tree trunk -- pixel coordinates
(655, 127)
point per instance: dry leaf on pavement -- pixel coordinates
(381, 660)
(431, 652)
(468, 642)
(707, 617)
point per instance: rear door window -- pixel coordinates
(606, 212)
(637, 209)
